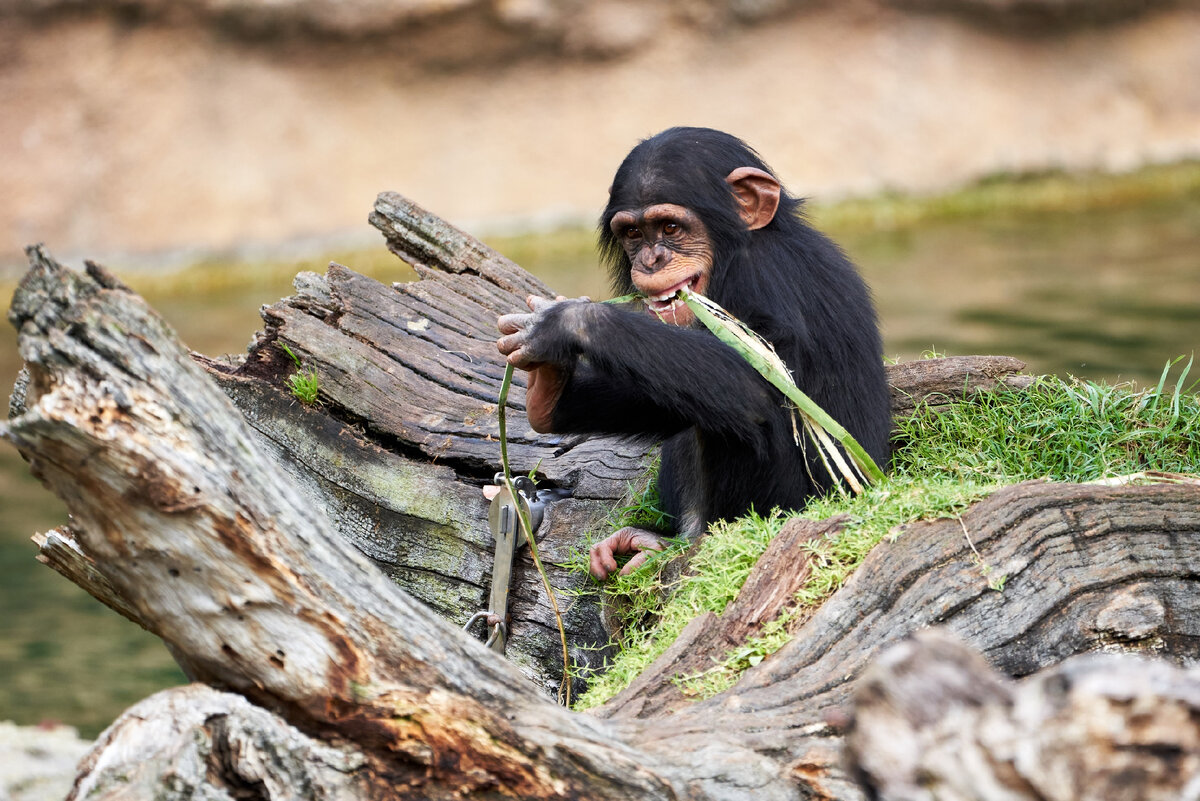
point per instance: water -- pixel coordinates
(1105, 296)
(1109, 295)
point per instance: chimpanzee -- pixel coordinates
(697, 208)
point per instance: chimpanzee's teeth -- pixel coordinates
(664, 296)
(675, 296)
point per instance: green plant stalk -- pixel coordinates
(785, 385)
(623, 298)
(289, 352)
(523, 514)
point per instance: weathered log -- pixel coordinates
(191, 521)
(406, 430)
(1088, 567)
(934, 383)
(195, 526)
(931, 720)
(194, 742)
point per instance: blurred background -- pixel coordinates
(1018, 177)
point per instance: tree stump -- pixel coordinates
(247, 530)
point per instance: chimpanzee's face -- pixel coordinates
(669, 250)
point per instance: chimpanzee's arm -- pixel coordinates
(625, 372)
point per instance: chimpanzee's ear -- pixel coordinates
(757, 194)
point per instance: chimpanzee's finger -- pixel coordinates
(647, 541)
(512, 342)
(538, 303)
(512, 323)
(637, 561)
(600, 560)
(521, 359)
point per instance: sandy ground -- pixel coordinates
(125, 139)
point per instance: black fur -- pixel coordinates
(729, 444)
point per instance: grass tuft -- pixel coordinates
(304, 384)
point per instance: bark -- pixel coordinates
(933, 721)
(194, 742)
(1101, 592)
(213, 529)
(60, 550)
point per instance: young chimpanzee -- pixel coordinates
(697, 208)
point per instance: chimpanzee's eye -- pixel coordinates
(670, 229)
(632, 232)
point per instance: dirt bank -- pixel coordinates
(142, 132)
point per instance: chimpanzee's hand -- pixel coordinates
(629, 540)
(534, 343)
(528, 340)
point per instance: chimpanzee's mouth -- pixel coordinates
(672, 298)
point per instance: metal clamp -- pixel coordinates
(499, 628)
(504, 520)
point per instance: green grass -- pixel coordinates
(1058, 429)
(304, 384)
(1014, 193)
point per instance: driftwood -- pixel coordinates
(239, 538)
(933, 722)
(196, 742)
